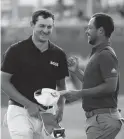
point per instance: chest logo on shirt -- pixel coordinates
(113, 70)
(54, 63)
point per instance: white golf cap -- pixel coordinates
(47, 96)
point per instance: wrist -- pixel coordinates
(77, 70)
(30, 104)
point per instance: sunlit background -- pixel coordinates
(71, 18)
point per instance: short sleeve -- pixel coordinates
(9, 62)
(63, 68)
(108, 64)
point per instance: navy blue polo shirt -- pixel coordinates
(102, 64)
(33, 69)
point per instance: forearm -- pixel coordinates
(12, 92)
(61, 100)
(61, 103)
(80, 74)
(98, 91)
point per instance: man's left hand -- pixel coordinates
(59, 115)
(71, 95)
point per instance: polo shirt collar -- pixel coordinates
(32, 44)
(100, 47)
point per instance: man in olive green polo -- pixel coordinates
(100, 81)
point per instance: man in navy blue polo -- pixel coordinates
(100, 81)
(28, 66)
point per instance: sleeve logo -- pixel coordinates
(113, 70)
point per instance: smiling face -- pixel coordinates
(42, 29)
(92, 32)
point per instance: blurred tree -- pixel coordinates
(89, 8)
(121, 10)
(60, 8)
(3, 32)
(39, 4)
(15, 10)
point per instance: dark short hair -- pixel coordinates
(44, 13)
(105, 21)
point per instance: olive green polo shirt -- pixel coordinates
(102, 64)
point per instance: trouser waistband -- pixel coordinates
(12, 102)
(100, 111)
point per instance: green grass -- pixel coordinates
(73, 121)
(72, 40)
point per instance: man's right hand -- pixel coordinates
(33, 109)
(73, 64)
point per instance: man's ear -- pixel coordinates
(54, 24)
(31, 24)
(101, 30)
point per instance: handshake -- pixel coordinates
(71, 95)
(49, 97)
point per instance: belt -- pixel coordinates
(100, 111)
(11, 102)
